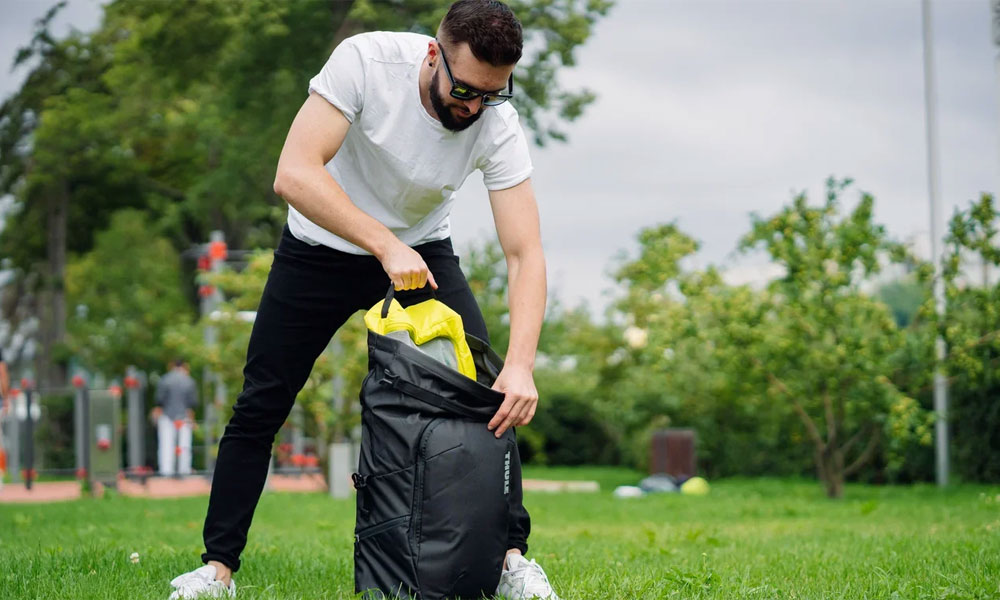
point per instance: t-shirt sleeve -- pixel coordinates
(342, 79)
(507, 162)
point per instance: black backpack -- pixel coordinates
(435, 487)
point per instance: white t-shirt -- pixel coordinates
(398, 164)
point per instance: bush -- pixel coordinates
(975, 430)
(572, 433)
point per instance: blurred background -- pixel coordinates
(735, 210)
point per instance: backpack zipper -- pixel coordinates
(394, 381)
(377, 529)
(418, 484)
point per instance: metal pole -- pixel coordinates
(88, 440)
(934, 189)
(995, 14)
(79, 431)
(210, 301)
(136, 421)
(14, 436)
(298, 436)
(29, 437)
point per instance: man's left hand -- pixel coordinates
(520, 399)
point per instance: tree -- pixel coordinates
(811, 358)
(682, 355)
(829, 347)
(49, 131)
(124, 294)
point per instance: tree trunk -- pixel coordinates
(51, 368)
(830, 468)
(342, 27)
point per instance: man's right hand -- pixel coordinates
(406, 268)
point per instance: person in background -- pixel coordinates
(176, 397)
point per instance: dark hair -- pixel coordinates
(488, 26)
(179, 362)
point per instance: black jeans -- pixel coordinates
(310, 292)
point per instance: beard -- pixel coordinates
(444, 113)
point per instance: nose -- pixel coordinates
(474, 105)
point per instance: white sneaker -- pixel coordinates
(201, 583)
(523, 579)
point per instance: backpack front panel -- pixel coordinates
(463, 490)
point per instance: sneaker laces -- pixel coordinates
(532, 579)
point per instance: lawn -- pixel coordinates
(747, 539)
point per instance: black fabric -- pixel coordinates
(310, 292)
(437, 491)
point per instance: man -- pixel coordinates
(393, 125)
(176, 398)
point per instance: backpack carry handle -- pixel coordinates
(392, 293)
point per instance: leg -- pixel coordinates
(184, 444)
(310, 293)
(165, 439)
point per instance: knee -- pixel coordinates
(260, 413)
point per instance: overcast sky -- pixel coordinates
(708, 111)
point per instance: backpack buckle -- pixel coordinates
(388, 377)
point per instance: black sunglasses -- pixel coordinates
(464, 92)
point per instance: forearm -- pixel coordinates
(314, 193)
(527, 295)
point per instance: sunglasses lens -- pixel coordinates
(490, 100)
(462, 93)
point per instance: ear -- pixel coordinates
(432, 51)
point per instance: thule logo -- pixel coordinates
(506, 473)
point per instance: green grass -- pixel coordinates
(748, 539)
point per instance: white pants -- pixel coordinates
(174, 444)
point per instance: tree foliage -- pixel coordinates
(832, 357)
(971, 329)
(124, 294)
(762, 375)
